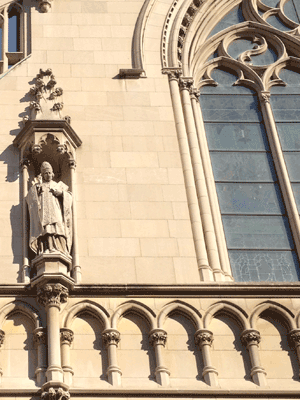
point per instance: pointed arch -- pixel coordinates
(183, 308)
(229, 308)
(23, 308)
(288, 316)
(90, 307)
(135, 307)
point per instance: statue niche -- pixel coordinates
(48, 145)
(50, 213)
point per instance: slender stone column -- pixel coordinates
(203, 340)
(51, 296)
(205, 271)
(211, 186)
(66, 339)
(205, 211)
(75, 255)
(281, 169)
(40, 339)
(294, 339)
(251, 339)
(158, 339)
(26, 265)
(111, 338)
(2, 336)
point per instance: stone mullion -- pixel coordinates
(26, 264)
(111, 338)
(66, 338)
(251, 339)
(211, 186)
(5, 39)
(281, 169)
(204, 205)
(204, 340)
(51, 296)
(189, 180)
(40, 339)
(75, 254)
(157, 339)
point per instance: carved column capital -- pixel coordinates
(72, 164)
(2, 336)
(158, 337)
(186, 83)
(203, 337)
(52, 294)
(265, 96)
(66, 336)
(25, 162)
(173, 73)
(194, 93)
(250, 337)
(55, 394)
(40, 336)
(294, 337)
(111, 337)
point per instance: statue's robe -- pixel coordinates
(49, 214)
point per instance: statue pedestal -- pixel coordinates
(53, 267)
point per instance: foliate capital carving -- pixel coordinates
(194, 93)
(25, 162)
(55, 394)
(203, 337)
(40, 336)
(66, 336)
(294, 337)
(265, 97)
(173, 73)
(46, 98)
(111, 337)
(158, 337)
(2, 336)
(250, 337)
(72, 164)
(186, 83)
(52, 294)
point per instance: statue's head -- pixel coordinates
(46, 172)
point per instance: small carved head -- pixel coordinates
(46, 172)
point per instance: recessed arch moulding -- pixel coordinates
(47, 145)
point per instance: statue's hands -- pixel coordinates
(56, 192)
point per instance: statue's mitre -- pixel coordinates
(46, 166)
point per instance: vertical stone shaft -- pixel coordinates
(204, 340)
(199, 243)
(75, 255)
(111, 338)
(158, 339)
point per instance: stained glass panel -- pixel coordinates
(249, 198)
(235, 16)
(257, 232)
(269, 266)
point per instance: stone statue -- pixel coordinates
(50, 214)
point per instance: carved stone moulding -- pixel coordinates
(44, 5)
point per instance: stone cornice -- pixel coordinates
(202, 290)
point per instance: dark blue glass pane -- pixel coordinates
(289, 135)
(237, 47)
(292, 80)
(230, 108)
(268, 266)
(238, 136)
(296, 190)
(225, 80)
(290, 10)
(243, 167)
(12, 34)
(257, 232)
(250, 198)
(277, 23)
(271, 3)
(293, 165)
(286, 108)
(235, 16)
